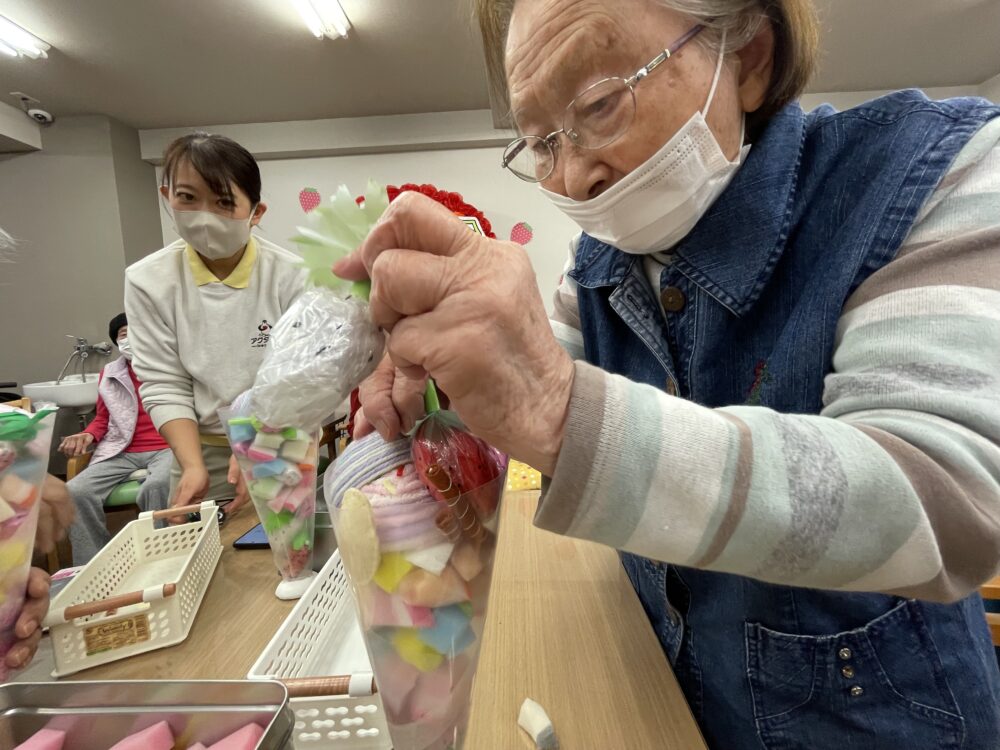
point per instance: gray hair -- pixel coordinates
(794, 22)
(739, 19)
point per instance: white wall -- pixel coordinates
(347, 135)
(66, 278)
(991, 89)
(475, 173)
(137, 196)
(62, 204)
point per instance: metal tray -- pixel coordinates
(96, 715)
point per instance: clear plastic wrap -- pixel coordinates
(470, 463)
(319, 351)
(24, 456)
(419, 554)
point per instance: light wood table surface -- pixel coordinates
(564, 628)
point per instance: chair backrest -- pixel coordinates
(76, 464)
(991, 592)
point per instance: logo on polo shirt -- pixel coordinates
(264, 335)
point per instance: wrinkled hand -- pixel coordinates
(76, 445)
(55, 514)
(466, 310)
(28, 629)
(235, 477)
(390, 402)
(191, 489)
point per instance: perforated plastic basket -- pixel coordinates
(140, 593)
(322, 637)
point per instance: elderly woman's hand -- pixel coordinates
(390, 402)
(28, 628)
(55, 514)
(466, 310)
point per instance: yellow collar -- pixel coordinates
(238, 279)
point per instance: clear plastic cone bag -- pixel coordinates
(419, 554)
(24, 456)
(279, 466)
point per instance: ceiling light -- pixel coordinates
(325, 18)
(15, 39)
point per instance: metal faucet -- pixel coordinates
(81, 351)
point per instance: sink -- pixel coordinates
(71, 392)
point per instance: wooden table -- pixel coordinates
(564, 628)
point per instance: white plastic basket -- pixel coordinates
(322, 637)
(140, 593)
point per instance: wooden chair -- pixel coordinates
(335, 437)
(991, 591)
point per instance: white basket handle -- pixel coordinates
(355, 685)
(157, 515)
(60, 616)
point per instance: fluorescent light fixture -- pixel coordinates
(309, 15)
(324, 18)
(7, 50)
(14, 38)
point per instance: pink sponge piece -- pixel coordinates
(242, 739)
(156, 737)
(391, 611)
(45, 739)
(396, 679)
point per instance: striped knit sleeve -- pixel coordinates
(565, 320)
(894, 487)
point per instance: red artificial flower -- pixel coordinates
(454, 202)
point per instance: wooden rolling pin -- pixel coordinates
(316, 687)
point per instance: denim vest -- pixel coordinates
(824, 200)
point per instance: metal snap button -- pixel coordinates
(673, 299)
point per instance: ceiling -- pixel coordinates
(174, 63)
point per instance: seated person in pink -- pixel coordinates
(126, 441)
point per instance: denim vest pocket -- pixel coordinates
(879, 686)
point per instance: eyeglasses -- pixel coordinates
(596, 118)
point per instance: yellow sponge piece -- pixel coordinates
(393, 569)
(414, 651)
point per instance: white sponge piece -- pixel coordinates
(533, 720)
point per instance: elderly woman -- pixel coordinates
(777, 391)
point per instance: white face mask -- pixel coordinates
(655, 205)
(125, 348)
(213, 236)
